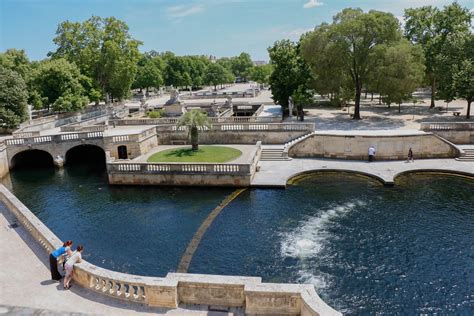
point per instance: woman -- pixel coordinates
(53, 259)
(75, 258)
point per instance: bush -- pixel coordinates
(156, 114)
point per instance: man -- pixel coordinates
(371, 153)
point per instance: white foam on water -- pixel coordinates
(309, 238)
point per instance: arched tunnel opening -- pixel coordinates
(33, 158)
(89, 155)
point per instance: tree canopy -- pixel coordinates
(13, 98)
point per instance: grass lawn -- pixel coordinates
(204, 154)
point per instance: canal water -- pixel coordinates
(368, 249)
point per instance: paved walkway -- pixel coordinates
(26, 288)
(277, 173)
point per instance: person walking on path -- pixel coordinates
(371, 153)
(410, 156)
(75, 258)
(53, 259)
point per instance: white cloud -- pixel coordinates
(181, 11)
(312, 4)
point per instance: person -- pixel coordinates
(371, 153)
(410, 155)
(75, 258)
(53, 259)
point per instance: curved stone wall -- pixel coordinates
(246, 292)
(388, 147)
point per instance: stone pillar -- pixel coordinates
(59, 161)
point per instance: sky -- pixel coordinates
(186, 27)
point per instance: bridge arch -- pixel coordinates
(35, 158)
(294, 176)
(85, 153)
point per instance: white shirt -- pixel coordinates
(74, 258)
(371, 151)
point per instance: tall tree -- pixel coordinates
(429, 27)
(194, 120)
(401, 70)
(149, 72)
(289, 71)
(241, 65)
(456, 62)
(216, 74)
(261, 73)
(104, 51)
(17, 61)
(13, 98)
(352, 38)
(58, 83)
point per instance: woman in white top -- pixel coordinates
(69, 266)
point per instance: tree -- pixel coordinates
(289, 71)
(216, 74)
(13, 98)
(58, 82)
(261, 74)
(456, 62)
(194, 120)
(104, 51)
(17, 61)
(429, 27)
(241, 65)
(149, 72)
(400, 70)
(350, 41)
(177, 72)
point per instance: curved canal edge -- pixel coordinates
(247, 293)
(192, 246)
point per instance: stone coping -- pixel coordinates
(233, 291)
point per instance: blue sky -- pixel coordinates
(217, 27)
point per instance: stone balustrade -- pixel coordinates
(25, 134)
(212, 120)
(93, 128)
(175, 167)
(228, 291)
(283, 127)
(444, 126)
(53, 138)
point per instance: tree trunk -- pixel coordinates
(399, 108)
(194, 138)
(468, 112)
(357, 99)
(372, 96)
(433, 92)
(365, 93)
(380, 99)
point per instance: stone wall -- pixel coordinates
(327, 145)
(248, 293)
(4, 169)
(137, 145)
(456, 132)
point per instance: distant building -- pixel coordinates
(259, 62)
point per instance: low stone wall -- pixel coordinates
(185, 174)
(271, 133)
(456, 132)
(227, 291)
(4, 169)
(327, 145)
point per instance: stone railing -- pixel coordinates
(212, 120)
(259, 110)
(230, 291)
(93, 128)
(53, 138)
(134, 138)
(274, 127)
(2, 146)
(447, 126)
(19, 134)
(177, 168)
(219, 95)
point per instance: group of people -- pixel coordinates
(410, 157)
(69, 259)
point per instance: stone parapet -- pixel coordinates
(228, 291)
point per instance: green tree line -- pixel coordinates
(371, 51)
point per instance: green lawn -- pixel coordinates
(204, 154)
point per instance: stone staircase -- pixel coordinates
(469, 156)
(273, 153)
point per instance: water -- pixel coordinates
(367, 248)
